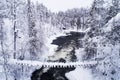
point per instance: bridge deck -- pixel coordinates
(51, 64)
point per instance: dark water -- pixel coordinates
(71, 38)
(51, 74)
(65, 40)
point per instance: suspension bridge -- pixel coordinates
(50, 64)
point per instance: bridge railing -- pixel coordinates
(51, 64)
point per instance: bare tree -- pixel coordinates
(14, 15)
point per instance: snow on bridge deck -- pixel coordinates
(48, 64)
(51, 64)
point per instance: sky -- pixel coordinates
(63, 5)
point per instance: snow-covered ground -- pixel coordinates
(80, 74)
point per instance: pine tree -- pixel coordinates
(33, 47)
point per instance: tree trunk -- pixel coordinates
(3, 52)
(14, 13)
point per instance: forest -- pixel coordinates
(30, 31)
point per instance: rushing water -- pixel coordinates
(64, 53)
